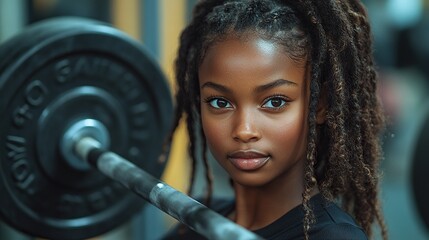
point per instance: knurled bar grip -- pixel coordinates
(178, 205)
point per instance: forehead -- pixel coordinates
(250, 55)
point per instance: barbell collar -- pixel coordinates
(86, 127)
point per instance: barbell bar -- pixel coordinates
(72, 88)
(178, 205)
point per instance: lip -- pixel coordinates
(248, 160)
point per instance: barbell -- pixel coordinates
(85, 111)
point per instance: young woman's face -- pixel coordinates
(253, 108)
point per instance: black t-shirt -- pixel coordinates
(331, 223)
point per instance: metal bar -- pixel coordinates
(178, 205)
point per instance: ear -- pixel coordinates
(322, 107)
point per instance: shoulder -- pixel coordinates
(331, 223)
(340, 231)
(334, 223)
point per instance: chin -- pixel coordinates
(250, 179)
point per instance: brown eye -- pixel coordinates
(275, 102)
(219, 103)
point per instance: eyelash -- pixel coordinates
(285, 101)
(208, 101)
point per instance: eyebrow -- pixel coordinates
(274, 84)
(265, 87)
(215, 86)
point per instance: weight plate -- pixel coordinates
(59, 72)
(420, 171)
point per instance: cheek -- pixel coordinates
(289, 133)
(215, 133)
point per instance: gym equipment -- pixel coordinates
(70, 89)
(420, 170)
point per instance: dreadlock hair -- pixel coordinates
(334, 38)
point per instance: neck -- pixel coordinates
(257, 207)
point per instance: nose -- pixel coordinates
(245, 127)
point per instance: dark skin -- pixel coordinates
(254, 106)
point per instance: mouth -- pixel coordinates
(248, 160)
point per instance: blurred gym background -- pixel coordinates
(401, 38)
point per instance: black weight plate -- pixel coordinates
(54, 74)
(420, 171)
